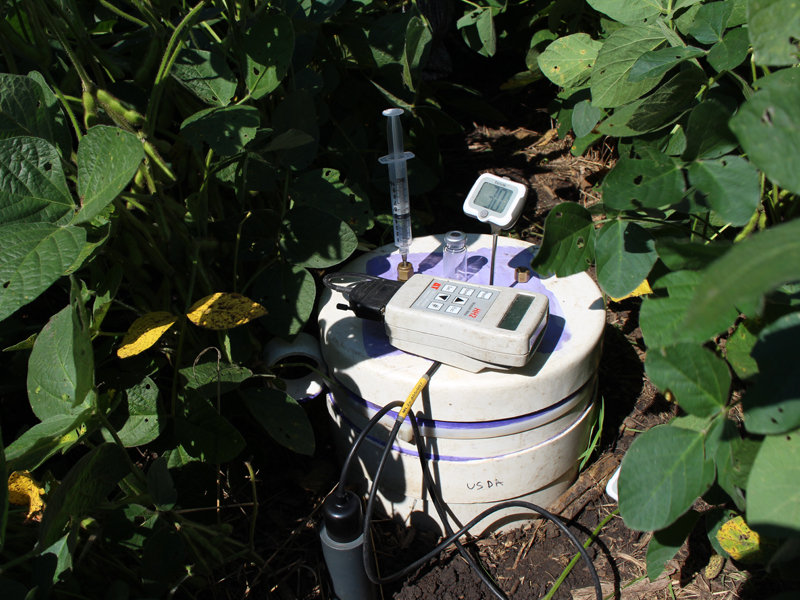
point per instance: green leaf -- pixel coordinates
(707, 22)
(698, 378)
(204, 433)
(227, 130)
(3, 496)
(768, 127)
(206, 74)
(297, 111)
(734, 458)
(624, 254)
(28, 108)
(162, 561)
(629, 12)
(268, 47)
(486, 32)
(653, 182)
(663, 473)
(83, 489)
(707, 133)
(43, 440)
(203, 376)
(55, 373)
(282, 417)
(61, 137)
(140, 418)
(750, 269)
(773, 488)
(160, 486)
(669, 99)
(316, 239)
(322, 189)
(738, 348)
(731, 186)
(665, 543)
(774, 27)
(417, 49)
(609, 80)
(108, 158)
(32, 183)
(773, 404)
(387, 38)
(730, 51)
(81, 343)
(680, 254)
(53, 561)
(617, 124)
(568, 61)
(568, 244)
(661, 319)
(657, 62)
(584, 118)
(288, 293)
(294, 138)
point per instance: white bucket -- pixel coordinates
(491, 436)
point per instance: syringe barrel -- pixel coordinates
(401, 209)
(398, 180)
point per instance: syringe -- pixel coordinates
(398, 188)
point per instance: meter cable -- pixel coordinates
(452, 537)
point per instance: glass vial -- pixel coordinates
(454, 260)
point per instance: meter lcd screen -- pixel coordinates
(493, 197)
(515, 312)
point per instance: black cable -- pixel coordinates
(359, 440)
(330, 283)
(439, 505)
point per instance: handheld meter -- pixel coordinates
(465, 325)
(496, 200)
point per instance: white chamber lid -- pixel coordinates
(359, 356)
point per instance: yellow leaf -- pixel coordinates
(744, 544)
(144, 332)
(644, 288)
(224, 311)
(24, 489)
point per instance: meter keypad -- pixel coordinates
(466, 303)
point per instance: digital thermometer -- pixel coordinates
(496, 200)
(461, 324)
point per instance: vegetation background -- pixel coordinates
(174, 177)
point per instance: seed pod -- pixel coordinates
(762, 221)
(112, 104)
(89, 110)
(144, 72)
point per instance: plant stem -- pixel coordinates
(162, 76)
(123, 14)
(182, 337)
(577, 557)
(255, 507)
(134, 469)
(236, 251)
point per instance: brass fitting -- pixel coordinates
(404, 271)
(522, 274)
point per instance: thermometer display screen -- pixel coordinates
(493, 197)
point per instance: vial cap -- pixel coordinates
(455, 238)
